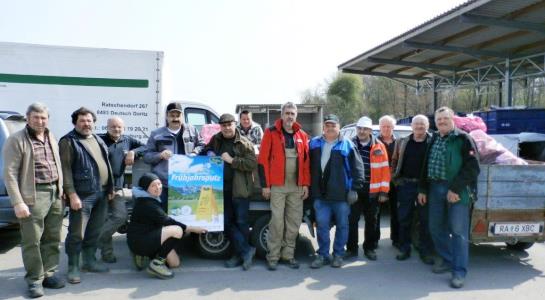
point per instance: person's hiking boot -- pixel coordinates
(90, 263)
(318, 262)
(272, 265)
(291, 263)
(403, 255)
(337, 261)
(158, 268)
(370, 254)
(73, 269)
(457, 282)
(427, 259)
(140, 262)
(35, 290)
(440, 266)
(350, 253)
(233, 262)
(109, 257)
(53, 282)
(247, 259)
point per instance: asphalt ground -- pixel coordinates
(494, 273)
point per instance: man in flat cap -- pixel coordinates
(237, 153)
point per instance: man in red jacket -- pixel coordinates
(285, 176)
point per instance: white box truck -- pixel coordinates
(111, 82)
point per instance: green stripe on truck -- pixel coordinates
(81, 81)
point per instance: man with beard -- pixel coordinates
(88, 184)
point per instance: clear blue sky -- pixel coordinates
(224, 52)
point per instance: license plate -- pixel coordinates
(517, 228)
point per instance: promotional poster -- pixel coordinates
(195, 191)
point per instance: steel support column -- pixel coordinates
(500, 93)
(508, 83)
(435, 93)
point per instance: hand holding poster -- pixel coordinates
(195, 191)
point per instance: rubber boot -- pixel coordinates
(73, 269)
(90, 263)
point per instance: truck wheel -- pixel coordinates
(212, 244)
(519, 246)
(260, 232)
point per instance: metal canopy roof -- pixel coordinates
(477, 43)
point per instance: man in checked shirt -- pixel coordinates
(33, 179)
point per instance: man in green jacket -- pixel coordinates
(237, 153)
(33, 179)
(449, 177)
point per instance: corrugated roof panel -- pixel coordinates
(500, 8)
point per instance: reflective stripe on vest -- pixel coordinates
(380, 165)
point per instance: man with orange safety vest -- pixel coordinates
(375, 191)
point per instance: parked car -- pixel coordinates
(10, 122)
(349, 131)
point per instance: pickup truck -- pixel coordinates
(10, 122)
(510, 206)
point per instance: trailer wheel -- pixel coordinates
(260, 232)
(519, 246)
(212, 244)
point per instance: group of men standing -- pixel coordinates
(433, 175)
(83, 168)
(430, 175)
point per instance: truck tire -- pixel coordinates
(213, 245)
(259, 234)
(519, 246)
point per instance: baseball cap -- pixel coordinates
(365, 122)
(174, 106)
(331, 118)
(226, 118)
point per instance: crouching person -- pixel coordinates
(152, 233)
(336, 170)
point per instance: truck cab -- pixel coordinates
(10, 122)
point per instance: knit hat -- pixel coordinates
(146, 179)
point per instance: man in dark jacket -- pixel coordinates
(122, 150)
(336, 169)
(175, 138)
(88, 185)
(407, 161)
(449, 177)
(238, 155)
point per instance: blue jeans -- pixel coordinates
(449, 228)
(407, 193)
(324, 211)
(236, 222)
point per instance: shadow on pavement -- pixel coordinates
(10, 238)
(491, 267)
